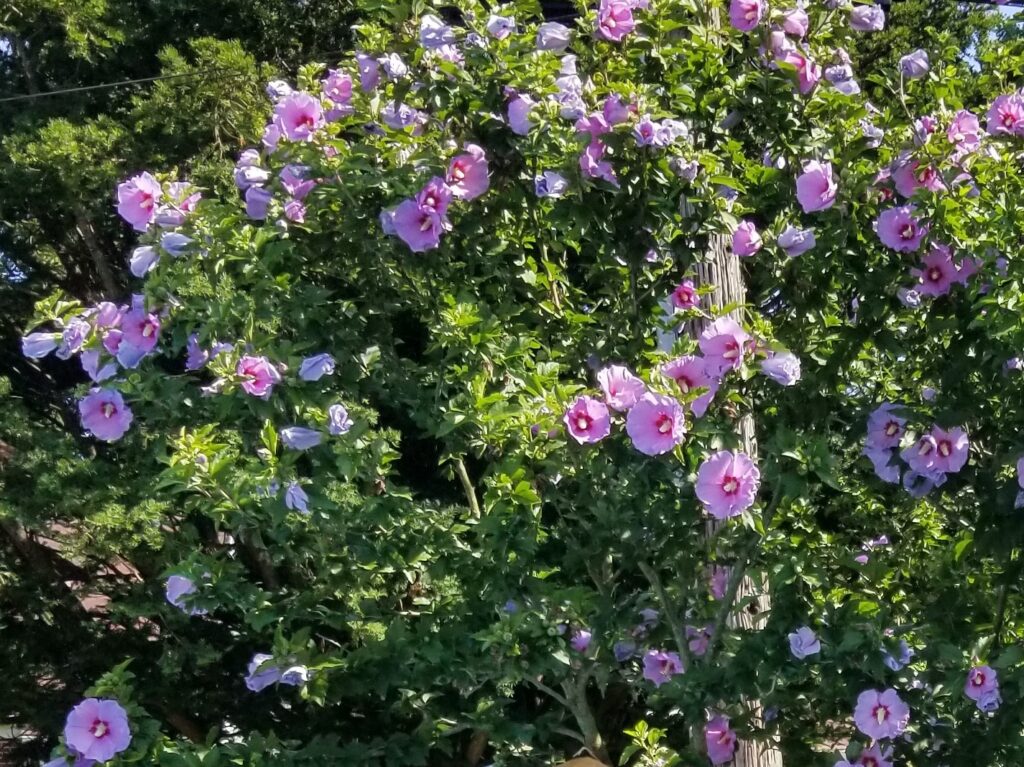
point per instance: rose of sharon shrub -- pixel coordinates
(445, 399)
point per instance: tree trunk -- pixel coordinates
(723, 271)
(99, 257)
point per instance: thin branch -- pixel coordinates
(667, 608)
(554, 695)
(468, 489)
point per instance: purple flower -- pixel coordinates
(867, 18)
(178, 587)
(723, 344)
(621, 388)
(143, 260)
(141, 329)
(295, 498)
(418, 226)
(296, 676)
(661, 666)
(500, 27)
(727, 484)
(338, 422)
(400, 116)
(915, 65)
(250, 175)
(294, 179)
(550, 184)
(685, 295)
(804, 642)
(744, 15)
(295, 211)
(882, 459)
(718, 581)
(316, 367)
(393, 66)
(104, 414)
(468, 176)
(881, 715)
(964, 131)
(690, 373)
(261, 675)
(300, 438)
(937, 272)
(519, 115)
(337, 88)
(298, 116)
(593, 166)
(369, 71)
(795, 22)
(720, 740)
(136, 200)
(795, 242)
(1006, 116)
(990, 701)
(885, 428)
(97, 729)
(656, 424)
(699, 639)
(37, 345)
(580, 640)
(624, 650)
(277, 90)
(552, 36)
(783, 368)
(434, 33)
(815, 187)
(258, 375)
(615, 110)
(981, 681)
(615, 19)
(745, 240)
(587, 420)
(257, 203)
(91, 365)
(900, 229)
(808, 72)
(175, 243)
(645, 131)
(73, 337)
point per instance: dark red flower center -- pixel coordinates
(934, 274)
(730, 484)
(945, 448)
(663, 423)
(108, 409)
(908, 230)
(99, 729)
(583, 421)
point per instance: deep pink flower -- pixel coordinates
(661, 666)
(746, 240)
(97, 729)
(594, 167)
(937, 272)
(588, 420)
(723, 344)
(621, 388)
(656, 424)
(298, 116)
(951, 449)
(615, 19)
(720, 740)
(468, 174)
(981, 681)
(964, 131)
(881, 715)
(104, 414)
(690, 373)
(435, 195)
(727, 484)
(808, 72)
(136, 200)
(580, 640)
(885, 428)
(418, 226)
(258, 375)
(744, 15)
(910, 176)
(1006, 115)
(594, 124)
(141, 329)
(685, 295)
(815, 187)
(900, 229)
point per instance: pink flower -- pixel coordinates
(298, 116)
(745, 240)
(1006, 115)
(722, 344)
(661, 666)
(900, 229)
(981, 681)
(337, 87)
(467, 174)
(964, 131)
(656, 424)
(951, 449)
(621, 388)
(97, 729)
(807, 71)
(258, 375)
(690, 373)
(699, 639)
(685, 295)
(727, 484)
(870, 757)
(136, 200)
(141, 329)
(909, 177)
(104, 414)
(885, 428)
(418, 226)
(615, 19)
(881, 715)
(588, 420)
(795, 22)
(720, 740)
(594, 167)
(815, 187)
(580, 640)
(937, 272)
(744, 15)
